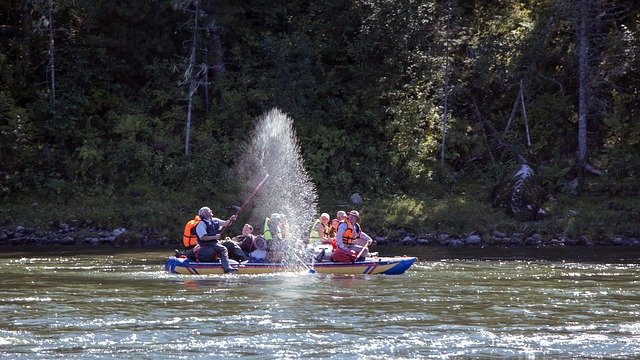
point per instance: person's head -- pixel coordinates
(354, 216)
(275, 217)
(341, 215)
(247, 229)
(324, 218)
(335, 223)
(205, 213)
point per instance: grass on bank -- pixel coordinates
(597, 218)
(148, 211)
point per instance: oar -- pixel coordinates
(255, 191)
(361, 251)
(311, 271)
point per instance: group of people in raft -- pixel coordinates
(341, 237)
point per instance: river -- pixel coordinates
(454, 303)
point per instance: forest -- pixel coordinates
(416, 105)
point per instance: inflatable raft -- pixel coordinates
(375, 265)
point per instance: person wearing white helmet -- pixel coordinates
(320, 230)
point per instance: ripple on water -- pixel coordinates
(456, 309)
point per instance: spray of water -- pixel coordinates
(273, 149)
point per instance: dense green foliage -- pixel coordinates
(363, 80)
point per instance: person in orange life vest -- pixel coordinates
(208, 231)
(189, 238)
(350, 236)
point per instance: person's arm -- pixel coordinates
(368, 238)
(341, 229)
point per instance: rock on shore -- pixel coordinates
(75, 234)
(82, 234)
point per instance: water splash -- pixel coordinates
(274, 150)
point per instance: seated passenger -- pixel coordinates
(245, 240)
(320, 231)
(272, 228)
(235, 251)
(333, 230)
(351, 240)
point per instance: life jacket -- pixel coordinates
(267, 231)
(189, 237)
(212, 229)
(314, 236)
(268, 234)
(349, 235)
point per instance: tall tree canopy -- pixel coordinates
(93, 94)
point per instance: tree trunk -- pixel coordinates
(218, 53)
(26, 31)
(52, 62)
(583, 68)
(190, 74)
(446, 94)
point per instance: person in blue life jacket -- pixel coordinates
(350, 237)
(208, 231)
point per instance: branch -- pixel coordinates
(497, 137)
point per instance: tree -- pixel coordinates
(194, 72)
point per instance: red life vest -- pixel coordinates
(189, 237)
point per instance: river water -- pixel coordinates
(454, 303)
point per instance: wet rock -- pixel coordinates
(618, 241)
(633, 242)
(570, 242)
(502, 241)
(534, 240)
(149, 242)
(422, 241)
(473, 239)
(382, 240)
(20, 230)
(408, 240)
(67, 240)
(520, 194)
(107, 240)
(499, 235)
(117, 232)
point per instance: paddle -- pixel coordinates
(241, 208)
(311, 271)
(361, 251)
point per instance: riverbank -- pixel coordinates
(150, 217)
(82, 234)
